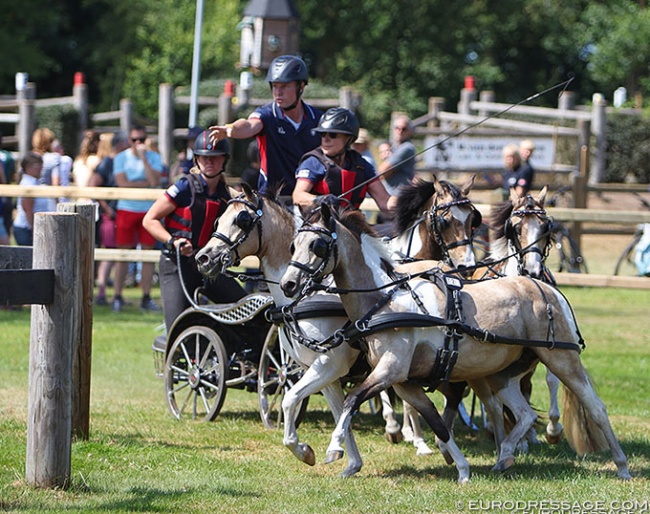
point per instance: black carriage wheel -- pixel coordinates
(195, 374)
(277, 373)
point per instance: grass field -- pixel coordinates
(138, 459)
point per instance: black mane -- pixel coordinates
(499, 214)
(413, 197)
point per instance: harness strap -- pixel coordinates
(408, 319)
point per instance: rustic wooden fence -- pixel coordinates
(56, 277)
(574, 215)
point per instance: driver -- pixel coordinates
(183, 219)
(334, 168)
(283, 127)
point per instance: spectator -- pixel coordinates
(65, 166)
(31, 168)
(251, 174)
(151, 145)
(362, 145)
(335, 170)
(283, 127)
(135, 167)
(4, 233)
(399, 168)
(526, 149)
(184, 160)
(42, 140)
(109, 146)
(516, 174)
(183, 219)
(87, 160)
(9, 167)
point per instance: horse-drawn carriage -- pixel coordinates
(214, 347)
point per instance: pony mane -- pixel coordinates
(357, 224)
(413, 197)
(410, 201)
(499, 214)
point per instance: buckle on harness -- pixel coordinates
(453, 283)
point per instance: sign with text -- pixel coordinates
(466, 152)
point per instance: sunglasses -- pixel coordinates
(331, 135)
(138, 139)
(401, 129)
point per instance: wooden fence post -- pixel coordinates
(83, 341)
(436, 105)
(80, 100)
(126, 115)
(225, 108)
(166, 121)
(49, 409)
(27, 117)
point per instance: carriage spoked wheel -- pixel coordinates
(277, 373)
(195, 374)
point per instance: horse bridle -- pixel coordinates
(322, 249)
(512, 236)
(246, 222)
(438, 224)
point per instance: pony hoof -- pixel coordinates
(553, 438)
(349, 472)
(309, 456)
(333, 456)
(504, 465)
(463, 481)
(394, 438)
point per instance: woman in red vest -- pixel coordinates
(183, 219)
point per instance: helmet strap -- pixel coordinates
(299, 91)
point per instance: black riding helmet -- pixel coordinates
(203, 146)
(289, 68)
(339, 120)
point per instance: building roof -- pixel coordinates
(282, 9)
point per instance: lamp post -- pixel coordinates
(196, 64)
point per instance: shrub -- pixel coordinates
(628, 149)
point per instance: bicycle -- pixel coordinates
(569, 255)
(626, 261)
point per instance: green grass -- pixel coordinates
(138, 459)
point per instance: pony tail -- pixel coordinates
(582, 433)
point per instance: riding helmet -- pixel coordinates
(203, 145)
(287, 68)
(338, 119)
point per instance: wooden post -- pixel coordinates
(486, 96)
(166, 122)
(599, 127)
(83, 342)
(567, 101)
(49, 408)
(126, 115)
(27, 116)
(436, 105)
(80, 100)
(347, 99)
(467, 94)
(225, 108)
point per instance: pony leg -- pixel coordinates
(413, 418)
(584, 411)
(554, 427)
(392, 430)
(531, 435)
(333, 393)
(416, 397)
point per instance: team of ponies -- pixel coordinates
(255, 224)
(490, 333)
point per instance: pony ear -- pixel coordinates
(541, 198)
(514, 197)
(467, 186)
(326, 214)
(247, 190)
(233, 192)
(438, 186)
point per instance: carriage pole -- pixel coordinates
(52, 334)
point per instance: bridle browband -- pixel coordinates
(246, 223)
(323, 252)
(437, 226)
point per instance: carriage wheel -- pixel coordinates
(195, 374)
(277, 373)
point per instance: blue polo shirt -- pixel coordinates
(281, 145)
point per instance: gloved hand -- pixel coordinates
(330, 200)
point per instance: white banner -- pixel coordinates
(467, 152)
